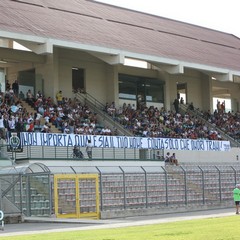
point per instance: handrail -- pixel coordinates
(98, 107)
(197, 113)
(63, 153)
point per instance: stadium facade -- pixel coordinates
(86, 46)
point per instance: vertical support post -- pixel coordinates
(21, 194)
(185, 185)
(77, 194)
(124, 188)
(101, 188)
(166, 184)
(50, 187)
(28, 196)
(235, 175)
(219, 183)
(56, 195)
(146, 186)
(203, 184)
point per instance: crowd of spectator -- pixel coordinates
(70, 116)
(228, 122)
(154, 122)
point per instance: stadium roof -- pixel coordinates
(112, 33)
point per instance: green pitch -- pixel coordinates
(223, 228)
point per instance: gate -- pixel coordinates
(76, 196)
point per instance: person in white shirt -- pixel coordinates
(89, 149)
(174, 160)
(167, 158)
(12, 124)
(2, 128)
(45, 128)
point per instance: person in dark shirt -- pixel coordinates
(174, 160)
(15, 88)
(176, 105)
(77, 153)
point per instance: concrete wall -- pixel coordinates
(101, 78)
(161, 210)
(207, 156)
(184, 157)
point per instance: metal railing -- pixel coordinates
(147, 187)
(198, 114)
(130, 187)
(58, 153)
(98, 107)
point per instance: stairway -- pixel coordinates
(103, 117)
(30, 109)
(184, 108)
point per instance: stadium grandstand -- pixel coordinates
(93, 97)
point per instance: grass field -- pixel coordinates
(224, 228)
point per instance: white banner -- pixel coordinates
(99, 141)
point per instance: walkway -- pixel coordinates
(44, 225)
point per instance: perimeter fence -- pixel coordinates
(119, 188)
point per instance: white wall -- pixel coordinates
(207, 156)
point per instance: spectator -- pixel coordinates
(7, 97)
(59, 98)
(147, 121)
(236, 197)
(77, 152)
(223, 107)
(11, 124)
(45, 128)
(1, 98)
(176, 105)
(11, 96)
(191, 107)
(15, 88)
(2, 128)
(89, 149)
(21, 95)
(167, 158)
(30, 98)
(173, 159)
(8, 85)
(178, 95)
(41, 109)
(37, 117)
(39, 95)
(30, 126)
(159, 156)
(218, 106)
